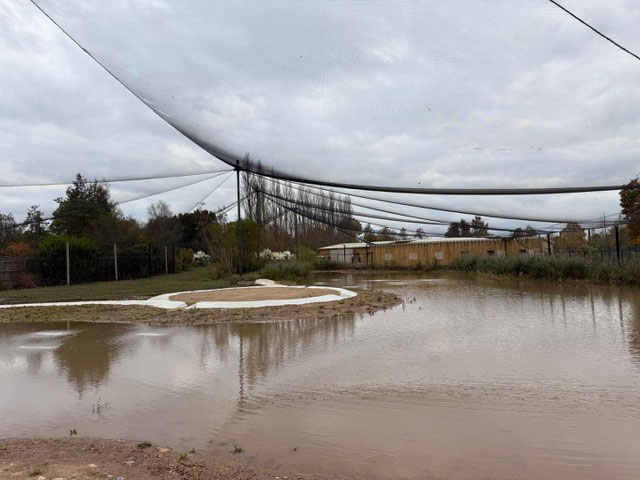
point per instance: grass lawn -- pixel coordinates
(196, 279)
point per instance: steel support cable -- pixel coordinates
(339, 229)
(294, 210)
(426, 221)
(237, 162)
(210, 192)
(524, 235)
(382, 210)
(48, 219)
(441, 209)
(359, 214)
(113, 180)
(598, 32)
(166, 190)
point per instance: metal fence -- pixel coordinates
(602, 254)
(60, 270)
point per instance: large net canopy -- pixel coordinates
(406, 93)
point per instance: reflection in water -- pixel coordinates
(542, 378)
(86, 356)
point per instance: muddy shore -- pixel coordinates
(366, 301)
(89, 458)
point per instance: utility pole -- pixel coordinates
(239, 223)
(68, 264)
(115, 260)
(295, 220)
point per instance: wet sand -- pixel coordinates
(251, 294)
(97, 458)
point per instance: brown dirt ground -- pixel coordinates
(87, 458)
(367, 301)
(251, 294)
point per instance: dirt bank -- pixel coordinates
(86, 458)
(365, 302)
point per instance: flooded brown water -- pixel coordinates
(494, 379)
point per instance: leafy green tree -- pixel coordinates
(368, 235)
(163, 228)
(35, 226)
(192, 225)
(385, 234)
(453, 231)
(630, 204)
(571, 238)
(479, 228)
(222, 241)
(527, 232)
(465, 228)
(8, 229)
(82, 209)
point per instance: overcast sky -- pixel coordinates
(443, 94)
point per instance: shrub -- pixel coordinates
(83, 259)
(201, 259)
(19, 249)
(184, 259)
(307, 254)
(24, 280)
(554, 268)
(292, 270)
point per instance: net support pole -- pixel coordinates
(239, 223)
(618, 243)
(295, 219)
(68, 264)
(549, 243)
(115, 260)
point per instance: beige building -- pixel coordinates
(430, 250)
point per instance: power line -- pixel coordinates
(607, 38)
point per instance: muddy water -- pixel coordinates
(467, 379)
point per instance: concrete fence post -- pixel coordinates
(115, 260)
(68, 264)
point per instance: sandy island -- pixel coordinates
(366, 302)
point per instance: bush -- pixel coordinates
(83, 259)
(184, 259)
(553, 268)
(292, 270)
(19, 249)
(24, 280)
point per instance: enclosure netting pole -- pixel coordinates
(239, 223)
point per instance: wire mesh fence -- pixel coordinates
(45, 270)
